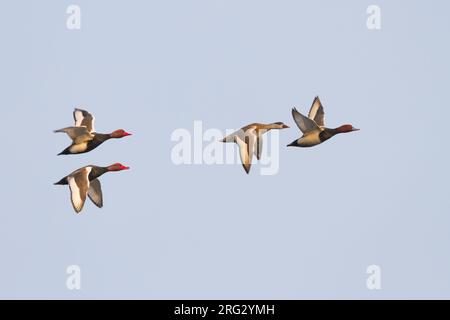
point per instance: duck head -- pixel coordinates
(119, 134)
(117, 167)
(346, 128)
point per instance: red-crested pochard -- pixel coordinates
(313, 126)
(84, 183)
(83, 135)
(249, 139)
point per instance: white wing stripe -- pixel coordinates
(78, 118)
(93, 124)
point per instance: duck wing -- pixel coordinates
(79, 186)
(316, 112)
(84, 118)
(95, 193)
(305, 124)
(77, 134)
(259, 143)
(246, 148)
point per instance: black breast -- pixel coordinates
(99, 138)
(326, 134)
(97, 172)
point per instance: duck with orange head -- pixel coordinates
(83, 135)
(84, 183)
(313, 127)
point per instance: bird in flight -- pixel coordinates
(84, 183)
(83, 135)
(313, 126)
(250, 141)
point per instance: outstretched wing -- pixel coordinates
(79, 186)
(259, 143)
(305, 124)
(77, 134)
(95, 193)
(84, 118)
(316, 112)
(246, 148)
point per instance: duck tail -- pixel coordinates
(229, 138)
(61, 182)
(65, 151)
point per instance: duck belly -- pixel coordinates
(309, 140)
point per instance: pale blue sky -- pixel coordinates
(378, 196)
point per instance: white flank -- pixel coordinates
(310, 139)
(79, 147)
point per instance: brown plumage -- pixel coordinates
(84, 183)
(83, 135)
(313, 126)
(249, 139)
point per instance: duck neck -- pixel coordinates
(334, 131)
(97, 172)
(103, 136)
(328, 133)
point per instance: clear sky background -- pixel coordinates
(378, 196)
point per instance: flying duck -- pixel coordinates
(250, 142)
(84, 182)
(313, 126)
(83, 135)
